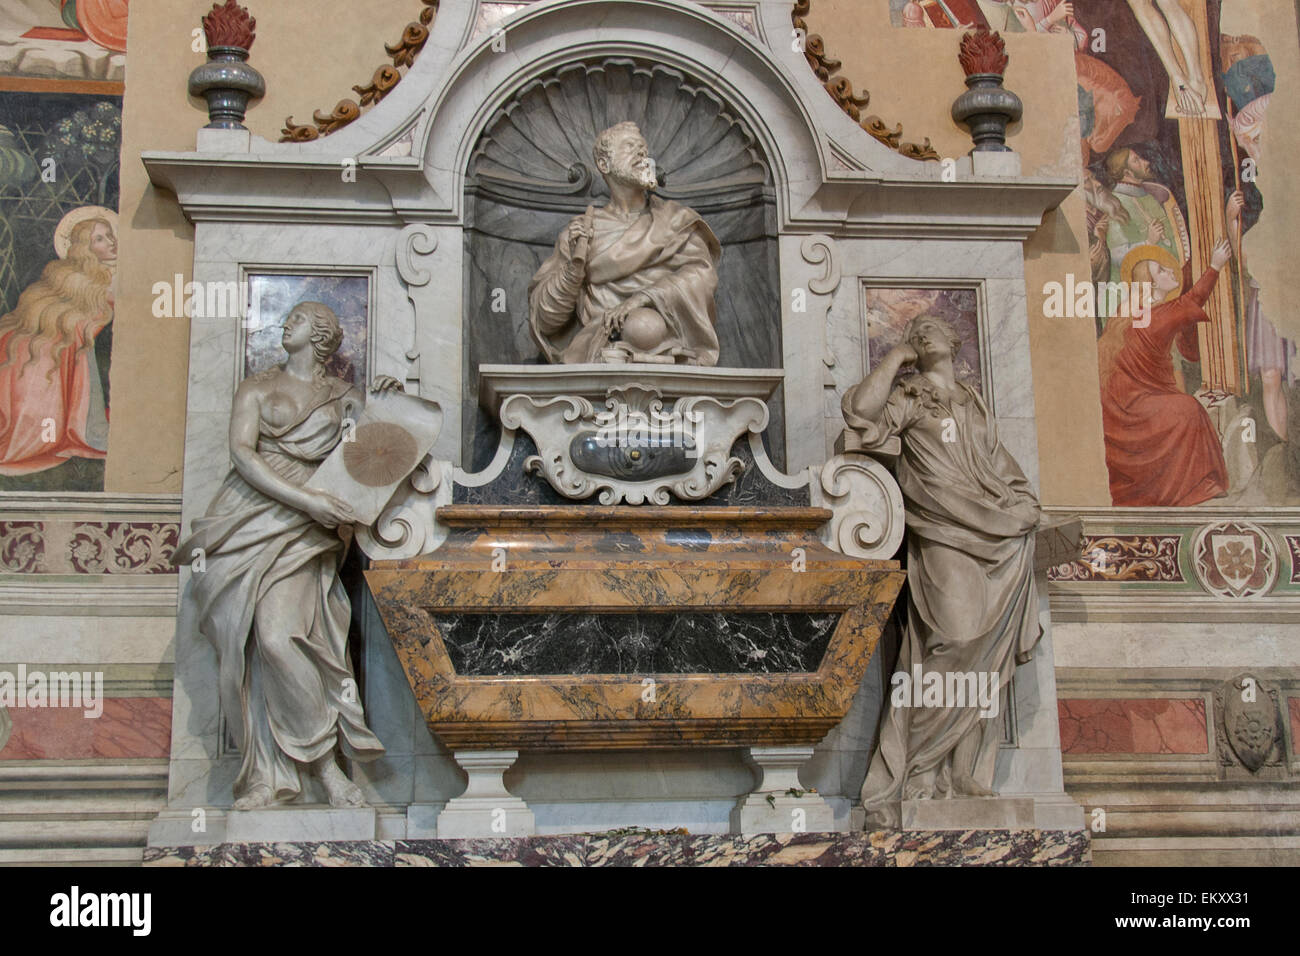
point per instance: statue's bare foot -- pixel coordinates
(342, 791)
(885, 817)
(920, 787)
(965, 785)
(257, 798)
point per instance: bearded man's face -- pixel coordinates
(630, 162)
(1139, 167)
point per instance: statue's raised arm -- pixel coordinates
(972, 612)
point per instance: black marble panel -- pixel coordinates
(512, 486)
(751, 489)
(639, 643)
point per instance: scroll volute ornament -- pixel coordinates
(403, 54)
(840, 88)
(986, 108)
(226, 81)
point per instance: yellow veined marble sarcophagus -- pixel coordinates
(578, 627)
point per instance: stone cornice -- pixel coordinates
(407, 159)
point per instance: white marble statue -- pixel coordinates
(972, 605)
(267, 592)
(633, 280)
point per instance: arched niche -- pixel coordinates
(531, 171)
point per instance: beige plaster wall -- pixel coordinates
(311, 52)
(913, 77)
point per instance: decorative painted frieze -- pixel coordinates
(1124, 557)
(87, 547)
(1163, 564)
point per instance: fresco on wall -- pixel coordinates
(1199, 406)
(58, 257)
(63, 39)
(889, 310)
(270, 299)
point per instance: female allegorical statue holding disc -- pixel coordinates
(972, 604)
(269, 596)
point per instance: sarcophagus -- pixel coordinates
(581, 627)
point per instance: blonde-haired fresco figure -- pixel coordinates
(269, 596)
(51, 398)
(1162, 450)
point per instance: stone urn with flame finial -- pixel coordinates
(986, 108)
(226, 81)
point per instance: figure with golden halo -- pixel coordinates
(1161, 447)
(52, 405)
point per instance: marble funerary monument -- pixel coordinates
(613, 559)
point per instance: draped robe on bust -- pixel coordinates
(668, 252)
(271, 601)
(972, 600)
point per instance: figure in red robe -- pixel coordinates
(1161, 447)
(51, 399)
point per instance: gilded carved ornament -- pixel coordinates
(841, 91)
(403, 54)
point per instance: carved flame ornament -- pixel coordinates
(226, 81)
(983, 52)
(230, 25)
(986, 108)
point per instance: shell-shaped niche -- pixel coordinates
(537, 147)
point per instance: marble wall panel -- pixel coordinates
(129, 728)
(681, 643)
(1161, 725)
